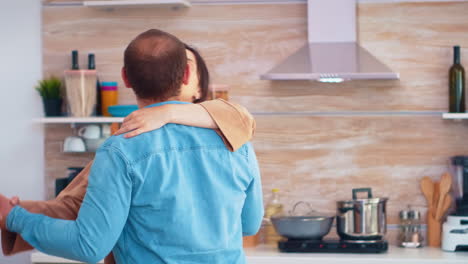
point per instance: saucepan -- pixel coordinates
(310, 225)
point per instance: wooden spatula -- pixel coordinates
(427, 187)
(435, 198)
(445, 185)
(445, 206)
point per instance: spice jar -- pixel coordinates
(109, 96)
(410, 235)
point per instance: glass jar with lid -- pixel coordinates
(410, 233)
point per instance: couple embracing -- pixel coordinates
(179, 184)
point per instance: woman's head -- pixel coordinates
(199, 75)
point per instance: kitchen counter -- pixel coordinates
(269, 255)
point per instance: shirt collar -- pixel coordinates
(167, 102)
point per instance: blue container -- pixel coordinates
(109, 84)
(121, 110)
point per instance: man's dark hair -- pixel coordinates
(203, 74)
(155, 64)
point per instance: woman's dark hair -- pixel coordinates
(203, 75)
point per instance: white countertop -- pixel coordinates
(270, 255)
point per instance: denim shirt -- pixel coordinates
(173, 195)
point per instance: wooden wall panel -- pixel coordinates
(317, 159)
(320, 159)
(241, 42)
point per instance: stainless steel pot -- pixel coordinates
(362, 219)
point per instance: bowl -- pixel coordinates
(121, 110)
(303, 227)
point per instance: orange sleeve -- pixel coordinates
(65, 206)
(236, 125)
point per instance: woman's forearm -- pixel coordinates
(190, 115)
(234, 123)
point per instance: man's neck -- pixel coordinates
(142, 103)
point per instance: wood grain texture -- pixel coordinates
(240, 42)
(317, 159)
(320, 159)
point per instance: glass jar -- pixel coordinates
(410, 234)
(109, 96)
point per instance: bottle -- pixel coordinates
(274, 207)
(456, 84)
(92, 66)
(75, 65)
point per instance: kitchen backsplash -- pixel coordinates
(314, 141)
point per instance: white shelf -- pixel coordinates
(82, 120)
(455, 116)
(137, 3)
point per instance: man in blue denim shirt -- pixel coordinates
(174, 195)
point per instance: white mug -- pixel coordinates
(106, 130)
(74, 144)
(90, 132)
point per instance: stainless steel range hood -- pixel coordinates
(332, 53)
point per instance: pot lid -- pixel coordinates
(303, 209)
(368, 199)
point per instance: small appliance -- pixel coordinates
(62, 183)
(455, 229)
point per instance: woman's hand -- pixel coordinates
(5, 208)
(144, 120)
(14, 201)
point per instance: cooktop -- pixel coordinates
(332, 246)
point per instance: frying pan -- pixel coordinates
(310, 226)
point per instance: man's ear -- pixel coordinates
(186, 79)
(125, 78)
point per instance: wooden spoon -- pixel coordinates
(435, 198)
(446, 205)
(445, 185)
(427, 187)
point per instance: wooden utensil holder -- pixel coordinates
(434, 231)
(80, 92)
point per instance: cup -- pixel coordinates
(90, 132)
(106, 130)
(93, 144)
(74, 144)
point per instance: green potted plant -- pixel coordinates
(50, 90)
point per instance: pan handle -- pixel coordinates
(343, 210)
(358, 190)
(309, 207)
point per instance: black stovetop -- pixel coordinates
(332, 246)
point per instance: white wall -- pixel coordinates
(21, 141)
